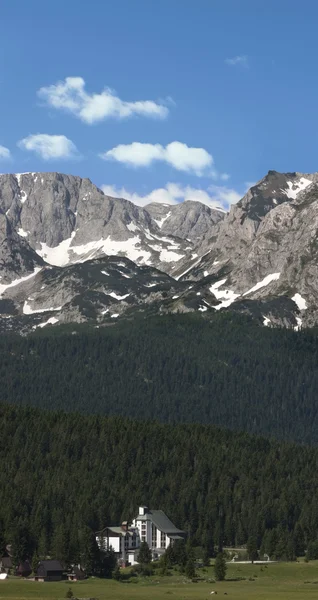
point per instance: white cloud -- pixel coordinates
(178, 155)
(173, 193)
(240, 60)
(70, 95)
(224, 195)
(4, 153)
(49, 146)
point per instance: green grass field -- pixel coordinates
(282, 581)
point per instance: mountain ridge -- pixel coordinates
(264, 248)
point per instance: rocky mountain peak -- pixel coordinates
(76, 254)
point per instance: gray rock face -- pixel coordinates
(66, 219)
(70, 253)
(188, 220)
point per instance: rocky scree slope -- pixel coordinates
(70, 253)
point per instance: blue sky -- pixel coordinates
(160, 100)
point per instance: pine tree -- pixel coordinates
(108, 563)
(299, 540)
(164, 564)
(34, 563)
(251, 547)
(190, 569)
(89, 551)
(59, 544)
(220, 567)
(116, 573)
(205, 558)
(43, 544)
(144, 554)
(180, 554)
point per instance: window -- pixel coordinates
(153, 536)
(162, 540)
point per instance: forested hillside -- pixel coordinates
(63, 472)
(227, 371)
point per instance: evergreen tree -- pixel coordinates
(34, 563)
(59, 544)
(169, 556)
(205, 557)
(190, 569)
(108, 563)
(116, 573)
(89, 551)
(208, 542)
(164, 564)
(180, 554)
(299, 540)
(312, 550)
(220, 567)
(144, 554)
(251, 547)
(43, 544)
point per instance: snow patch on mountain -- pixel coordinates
(58, 255)
(61, 255)
(116, 296)
(22, 233)
(4, 287)
(27, 310)
(301, 302)
(50, 321)
(294, 188)
(170, 256)
(160, 222)
(132, 227)
(227, 296)
(266, 281)
(299, 324)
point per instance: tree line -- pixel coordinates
(224, 370)
(64, 476)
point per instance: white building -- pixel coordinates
(151, 526)
(124, 540)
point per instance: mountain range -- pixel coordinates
(70, 253)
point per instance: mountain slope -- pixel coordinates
(224, 370)
(259, 259)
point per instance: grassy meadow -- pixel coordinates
(281, 581)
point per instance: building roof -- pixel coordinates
(51, 565)
(119, 531)
(161, 521)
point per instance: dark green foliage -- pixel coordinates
(299, 540)
(177, 368)
(190, 569)
(35, 562)
(116, 573)
(69, 593)
(164, 563)
(312, 550)
(251, 547)
(220, 567)
(64, 476)
(144, 554)
(144, 570)
(108, 563)
(179, 555)
(206, 557)
(89, 554)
